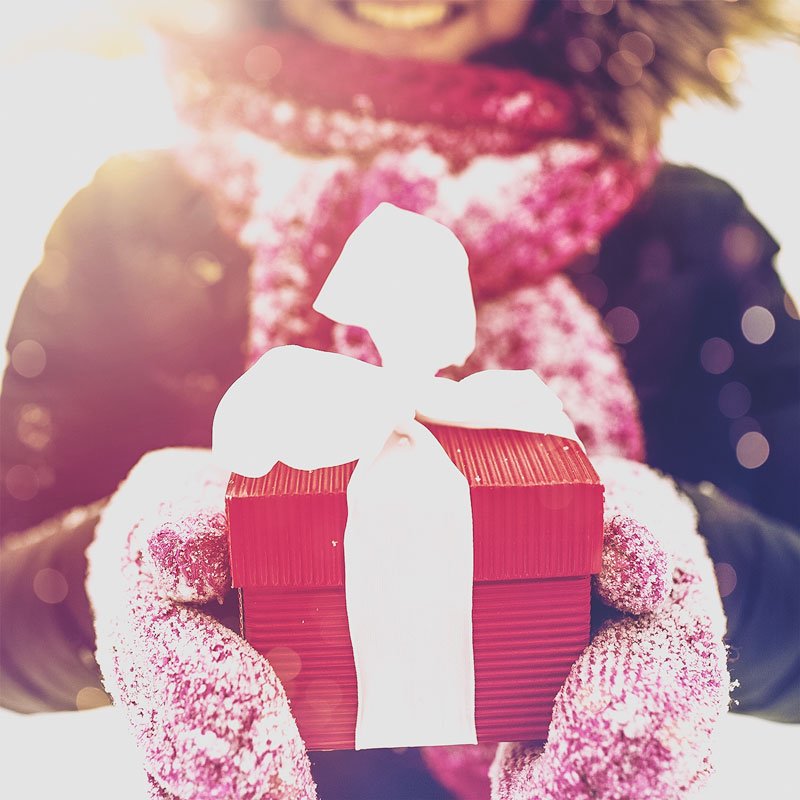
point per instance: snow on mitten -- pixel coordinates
(636, 714)
(634, 577)
(636, 567)
(208, 713)
(186, 552)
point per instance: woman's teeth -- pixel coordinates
(401, 16)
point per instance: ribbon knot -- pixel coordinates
(408, 539)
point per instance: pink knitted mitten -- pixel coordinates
(634, 718)
(209, 715)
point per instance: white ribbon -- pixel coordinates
(408, 539)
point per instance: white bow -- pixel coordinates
(408, 539)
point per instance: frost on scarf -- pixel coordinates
(295, 165)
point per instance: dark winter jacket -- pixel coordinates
(135, 323)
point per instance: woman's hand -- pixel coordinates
(209, 714)
(636, 715)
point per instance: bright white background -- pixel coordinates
(66, 106)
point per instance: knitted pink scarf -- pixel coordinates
(298, 141)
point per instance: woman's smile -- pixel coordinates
(404, 16)
(440, 30)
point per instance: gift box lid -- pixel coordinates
(537, 507)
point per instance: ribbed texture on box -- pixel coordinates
(537, 509)
(526, 634)
(536, 504)
(491, 457)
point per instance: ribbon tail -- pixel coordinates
(408, 582)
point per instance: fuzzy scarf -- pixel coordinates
(298, 141)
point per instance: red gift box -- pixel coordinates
(537, 508)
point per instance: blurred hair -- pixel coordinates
(566, 38)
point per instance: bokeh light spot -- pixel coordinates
(205, 269)
(752, 450)
(723, 64)
(86, 656)
(198, 17)
(583, 54)
(34, 426)
(597, 7)
(262, 62)
(285, 661)
(594, 289)
(198, 387)
(739, 427)
(585, 263)
(640, 44)
(790, 306)
(741, 246)
(324, 697)
(52, 274)
(28, 358)
(22, 482)
(716, 355)
(50, 586)
(91, 697)
(623, 324)
(758, 325)
(734, 400)
(726, 578)
(624, 67)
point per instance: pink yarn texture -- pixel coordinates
(636, 715)
(209, 715)
(187, 554)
